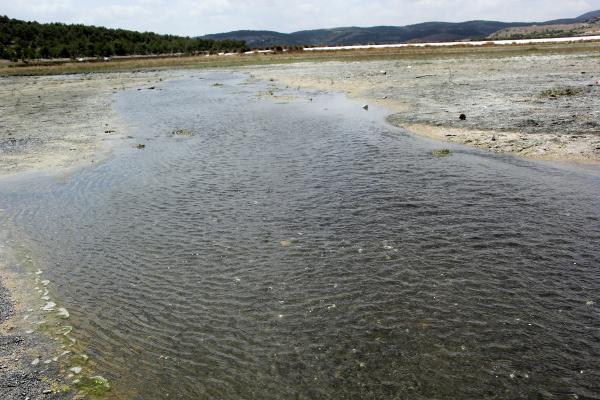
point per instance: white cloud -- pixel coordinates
(195, 17)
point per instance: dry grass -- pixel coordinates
(132, 64)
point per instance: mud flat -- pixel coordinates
(537, 106)
(56, 122)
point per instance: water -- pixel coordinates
(305, 249)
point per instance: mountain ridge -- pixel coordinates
(434, 31)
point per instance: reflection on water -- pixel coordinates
(307, 250)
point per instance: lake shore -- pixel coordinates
(50, 125)
(22, 374)
(543, 107)
(530, 103)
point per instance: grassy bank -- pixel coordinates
(131, 64)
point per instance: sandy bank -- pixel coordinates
(512, 104)
(56, 122)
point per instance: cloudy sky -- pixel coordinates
(196, 17)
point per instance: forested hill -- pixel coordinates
(32, 40)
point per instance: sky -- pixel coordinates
(199, 17)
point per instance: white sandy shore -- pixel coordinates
(450, 44)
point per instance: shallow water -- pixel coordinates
(305, 249)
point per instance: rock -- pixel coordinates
(365, 107)
(462, 117)
(63, 313)
(95, 385)
(442, 152)
(75, 370)
(49, 306)
(183, 132)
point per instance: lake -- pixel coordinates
(301, 248)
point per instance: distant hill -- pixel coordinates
(424, 32)
(586, 24)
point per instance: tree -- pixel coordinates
(31, 40)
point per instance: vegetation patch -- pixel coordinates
(561, 91)
(442, 152)
(183, 132)
(95, 385)
(58, 387)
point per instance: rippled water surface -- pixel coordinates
(304, 249)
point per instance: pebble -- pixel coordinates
(75, 370)
(63, 313)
